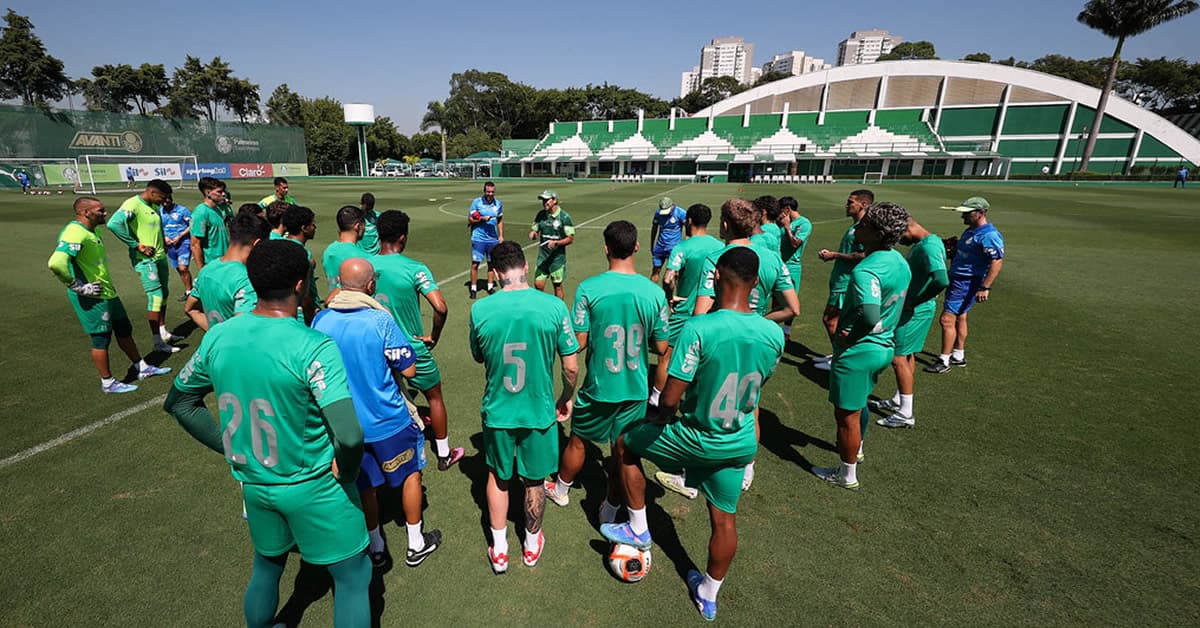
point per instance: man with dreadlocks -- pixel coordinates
(865, 338)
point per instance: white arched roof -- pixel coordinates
(1160, 128)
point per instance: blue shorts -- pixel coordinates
(481, 251)
(660, 254)
(393, 459)
(180, 254)
(960, 296)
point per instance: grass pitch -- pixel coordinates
(1050, 482)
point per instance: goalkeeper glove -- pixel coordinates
(92, 289)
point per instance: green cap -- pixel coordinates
(547, 195)
(973, 204)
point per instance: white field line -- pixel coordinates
(87, 429)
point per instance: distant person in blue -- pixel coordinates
(375, 350)
(177, 229)
(23, 179)
(977, 260)
(130, 175)
(485, 219)
(1181, 178)
(666, 230)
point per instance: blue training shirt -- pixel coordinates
(670, 227)
(976, 249)
(487, 231)
(372, 346)
(176, 221)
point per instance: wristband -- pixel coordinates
(988, 288)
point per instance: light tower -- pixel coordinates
(360, 116)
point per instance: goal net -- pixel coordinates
(873, 178)
(117, 173)
(42, 173)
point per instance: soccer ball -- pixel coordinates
(629, 563)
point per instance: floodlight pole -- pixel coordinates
(362, 150)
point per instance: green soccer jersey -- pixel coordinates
(925, 259)
(370, 238)
(880, 279)
(773, 277)
(552, 226)
(687, 259)
(224, 290)
(840, 275)
(621, 314)
(801, 229)
(138, 222)
(770, 238)
(726, 357)
(400, 283)
(270, 198)
(80, 256)
(209, 227)
(335, 254)
(272, 377)
(516, 334)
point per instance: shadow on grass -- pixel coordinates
(313, 582)
(786, 442)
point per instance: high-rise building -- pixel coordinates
(866, 46)
(724, 56)
(794, 62)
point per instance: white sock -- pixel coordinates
(107, 381)
(499, 541)
(561, 487)
(163, 332)
(416, 539)
(608, 512)
(906, 403)
(896, 398)
(654, 394)
(142, 365)
(531, 541)
(959, 354)
(637, 520)
(860, 446)
(709, 587)
(377, 544)
(945, 358)
(491, 286)
(850, 472)
(443, 446)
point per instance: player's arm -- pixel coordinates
(937, 283)
(473, 340)
(668, 401)
(569, 229)
(197, 243)
(397, 350)
(706, 290)
(60, 265)
(118, 224)
(346, 433)
(440, 312)
(790, 309)
(867, 314)
(985, 288)
(680, 373)
(674, 265)
(653, 231)
(195, 311)
(500, 223)
(570, 374)
(797, 241)
(660, 333)
(189, 410)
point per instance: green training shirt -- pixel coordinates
(272, 377)
(552, 226)
(773, 277)
(270, 198)
(880, 279)
(925, 259)
(80, 255)
(686, 260)
(801, 229)
(840, 275)
(209, 226)
(224, 290)
(770, 237)
(335, 254)
(400, 281)
(370, 239)
(141, 220)
(621, 314)
(516, 333)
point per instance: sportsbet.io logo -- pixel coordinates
(129, 141)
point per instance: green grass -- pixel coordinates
(1051, 482)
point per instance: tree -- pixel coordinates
(27, 71)
(384, 141)
(471, 142)
(425, 145)
(978, 57)
(1160, 84)
(1079, 70)
(436, 116)
(113, 87)
(910, 50)
(329, 140)
(1120, 20)
(284, 107)
(771, 77)
(199, 89)
(713, 90)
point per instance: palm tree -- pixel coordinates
(1122, 19)
(435, 116)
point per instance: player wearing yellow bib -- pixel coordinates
(288, 429)
(725, 358)
(619, 317)
(280, 194)
(848, 254)
(80, 263)
(223, 289)
(866, 333)
(138, 224)
(351, 227)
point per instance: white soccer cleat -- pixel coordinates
(833, 475)
(675, 483)
(883, 405)
(748, 476)
(897, 420)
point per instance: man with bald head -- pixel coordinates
(376, 351)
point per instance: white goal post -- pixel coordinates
(116, 171)
(42, 171)
(875, 178)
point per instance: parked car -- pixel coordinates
(377, 171)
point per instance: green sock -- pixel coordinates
(351, 591)
(262, 594)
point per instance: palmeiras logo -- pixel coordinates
(224, 144)
(130, 141)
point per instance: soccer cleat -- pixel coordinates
(748, 476)
(822, 365)
(491, 288)
(823, 358)
(456, 454)
(433, 540)
(675, 483)
(957, 362)
(897, 420)
(381, 561)
(551, 489)
(707, 608)
(530, 558)
(162, 346)
(499, 562)
(833, 475)
(167, 336)
(883, 405)
(473, 293)
(117, 387)
(937, 367)
(151, 371)
(860, 457)
(622, 533)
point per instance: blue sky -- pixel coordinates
(399, 55)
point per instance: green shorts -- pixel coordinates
(555, 272)
(154, 274)
(796, 271)
(322, 517)
(602, 422)
(428, 374)
(535, 451)
(674, 326)
(677, 447)
(101, 316)
(912, 331)
(836, 299)
(854, 372)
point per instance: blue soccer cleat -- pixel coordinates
(117, 386)
(707, 608)
(151, 371)
(623, 534)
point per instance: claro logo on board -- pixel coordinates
(250, 171)
(129, 141)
